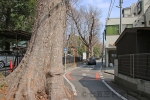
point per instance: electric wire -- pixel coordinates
(110, 10)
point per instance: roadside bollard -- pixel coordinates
(11, 66)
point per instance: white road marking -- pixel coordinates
(83, 74)
(85, 70)
(72, 86)
(123, 98)
(100, 70)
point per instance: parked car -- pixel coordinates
(91, 61)
(5, 60)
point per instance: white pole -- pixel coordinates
(65, 61)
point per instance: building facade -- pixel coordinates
(147, 17)
(112, 34)
(141, 10)
(137, 15)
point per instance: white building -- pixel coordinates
(132, 17)
(147, 17)
(112, 34)
(140, 10)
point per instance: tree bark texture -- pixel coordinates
(39, 76)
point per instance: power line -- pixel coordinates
(110, 9)
(109, 12)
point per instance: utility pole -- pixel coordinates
(121, 2)
(103, 50)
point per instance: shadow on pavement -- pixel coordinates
(96, 90)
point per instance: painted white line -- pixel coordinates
(100, 70)
(72, 86)
(83, 74)
(123, 98)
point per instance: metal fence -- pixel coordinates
(70, 59)
(5, 63)
(135, 65)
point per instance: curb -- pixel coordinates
(109, 73)
(72, 86)
(123, 98)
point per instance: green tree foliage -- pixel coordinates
(96, 51)
(17, 14)
(75, 41)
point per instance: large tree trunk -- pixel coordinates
(39, 76)
(90, 51)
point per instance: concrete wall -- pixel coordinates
(146, 4)
(147, 16)
(142, 87)
(125, 20)
(141, 17)
(139, 22)
(139, 86)
(116, 67)
(127, 12)
(110, 40)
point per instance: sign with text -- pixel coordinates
(84, 55)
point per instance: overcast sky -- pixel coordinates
(104, 6)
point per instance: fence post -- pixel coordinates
(133, 65)
(130, 65)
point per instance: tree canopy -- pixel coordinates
(17, 14)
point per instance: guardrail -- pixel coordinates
(135, 65)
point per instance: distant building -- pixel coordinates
(137, 15)
(112, 34)
(141, 9)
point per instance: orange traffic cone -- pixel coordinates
(11, 66)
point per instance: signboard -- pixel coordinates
(84, 55)
(65, 50)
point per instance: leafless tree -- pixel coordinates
(87, 22)
(39, 76)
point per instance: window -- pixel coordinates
(114, 55)
(126, 26)
(129, 26)
(139, 7)
(112, 29)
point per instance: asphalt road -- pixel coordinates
(88, 83)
